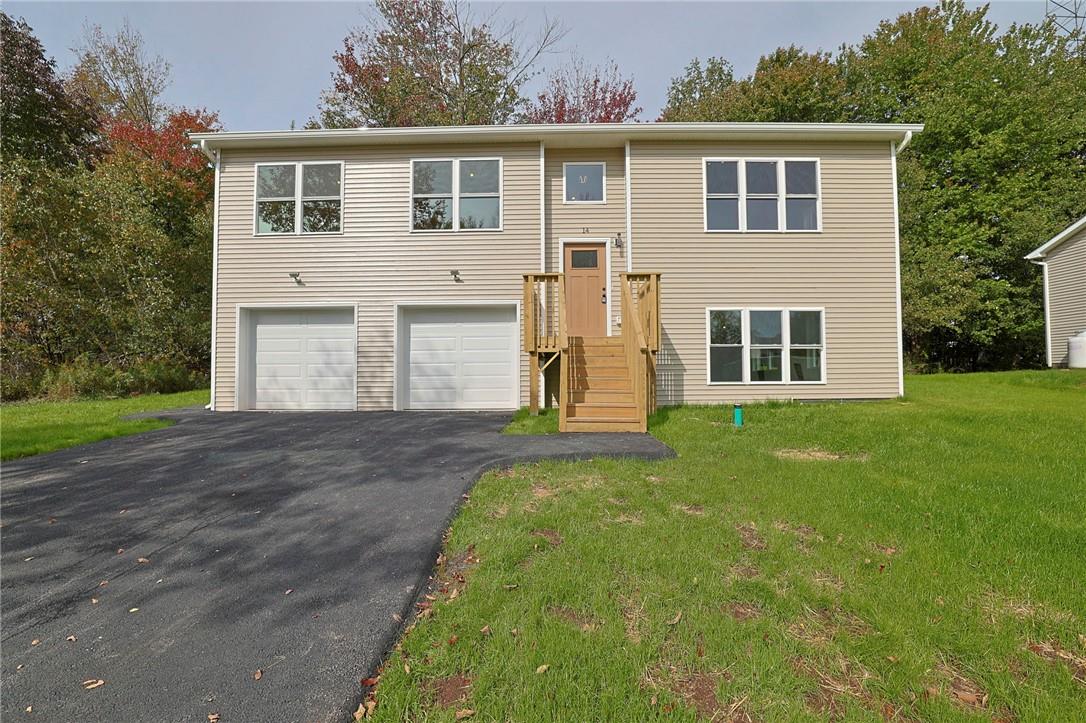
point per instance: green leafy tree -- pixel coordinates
(430, 63)
(38, 117)
(1000, 166)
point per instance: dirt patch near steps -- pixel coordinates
(1054, 653)
(551, 536)
(750, 537)
(816, 454)
(583, 622)
(448, 691)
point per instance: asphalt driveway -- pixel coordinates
(174, 564)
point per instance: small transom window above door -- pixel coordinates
(584, 182)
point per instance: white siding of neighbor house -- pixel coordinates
(376, 261)
(849, 267)
(1066, 294)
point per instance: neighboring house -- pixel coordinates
(1063, 261)
(669, 263)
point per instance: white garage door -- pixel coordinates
(303, 359)
(459, 358)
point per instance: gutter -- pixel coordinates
(904, 141)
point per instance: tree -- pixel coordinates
(1000, 166)
(39, 118)
(430, 63)
(117, 72)
(577, 93)
(787, 85)
(699, 93)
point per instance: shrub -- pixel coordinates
(86, 377)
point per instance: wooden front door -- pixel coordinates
(586, 289)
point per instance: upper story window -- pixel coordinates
(299, 198)
(762, 195)
(584, 182)
(766, 346)
(456, 194)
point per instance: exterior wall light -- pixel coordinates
(297, 276)
(617, 240)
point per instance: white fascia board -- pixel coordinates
(558, 134)
(1044, 249)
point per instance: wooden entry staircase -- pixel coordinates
(606, 383)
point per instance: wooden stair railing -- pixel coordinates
(543, 313)
(606, 383)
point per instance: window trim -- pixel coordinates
(456, 195)
(297, 198)
(603, 183)
(785, 345)
(782, 193)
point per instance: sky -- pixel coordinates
(263, 65)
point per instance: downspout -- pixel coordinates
(1048, 324)
(894, 148)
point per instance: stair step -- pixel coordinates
(595, 396)
(603, 425)
(586, 383)
(597, 352)
(609, 410)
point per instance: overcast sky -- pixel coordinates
(263, 65)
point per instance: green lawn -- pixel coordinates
(923, 559)
(28, 428)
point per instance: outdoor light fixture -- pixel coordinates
(617, 240)
(297, 276)
(455, 274)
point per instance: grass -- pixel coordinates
(546, 422)
(28, 428)
(919, 558)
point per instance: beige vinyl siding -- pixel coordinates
(1066, 294)
(849, 268)
(376, 261)
(570, 221)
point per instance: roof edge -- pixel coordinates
(1044, 249)
(894, 131)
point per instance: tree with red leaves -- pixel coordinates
(577, 93)
(430, 63)
(168, 145)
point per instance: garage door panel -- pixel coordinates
(271, 343)
(343, 345)
(303, 359)
(460, 358)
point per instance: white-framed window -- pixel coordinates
(304, 197)
(584, 182)
(762, 195)
(456, 194)
(765, 346)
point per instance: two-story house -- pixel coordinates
(608, 267)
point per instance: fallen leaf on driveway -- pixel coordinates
(360, 713)
(70, 638)
(258, 674)
(142, 560)
(370, 682)
(397, 617)
(213, 717)
(30, 709)
(94, 601)
(464, 713)
(93, 683)
(675, 620)
(289, 591)
(120, 550)
(35, 641)
(542, 669)
(133, 610)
